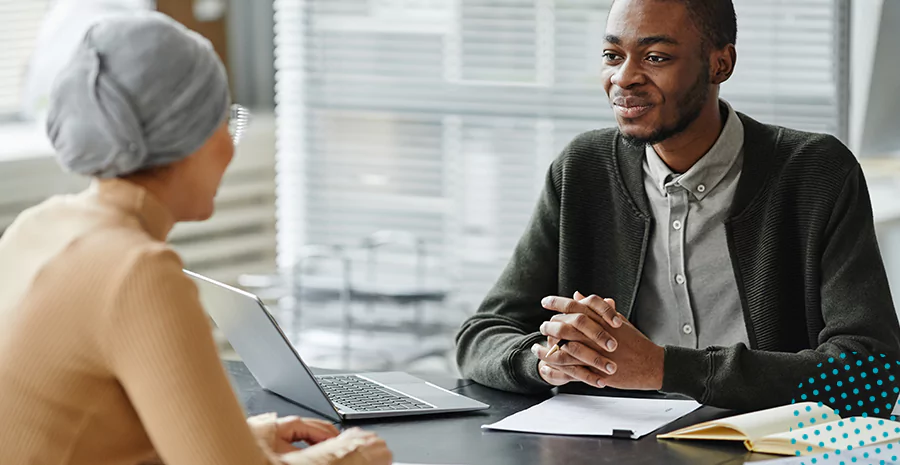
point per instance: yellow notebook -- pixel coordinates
(805, 427)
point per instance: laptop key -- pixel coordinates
(359, 394)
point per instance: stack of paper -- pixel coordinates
(575, 415)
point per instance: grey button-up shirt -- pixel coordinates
(688, 294)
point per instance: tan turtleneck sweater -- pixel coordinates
(106, 355)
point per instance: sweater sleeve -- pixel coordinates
(160, 347)
(493, 346)
(859, 343)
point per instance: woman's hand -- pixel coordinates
(289, 430)
(352, 447)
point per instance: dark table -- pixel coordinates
(459, 439)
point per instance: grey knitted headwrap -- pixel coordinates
(141, 91)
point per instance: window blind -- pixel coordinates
(19, 24)
(440, 117)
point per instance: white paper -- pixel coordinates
(575, 415)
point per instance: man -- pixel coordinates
(724, 259)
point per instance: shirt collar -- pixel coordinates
(709, 171)
(134, 200)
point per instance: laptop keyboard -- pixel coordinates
(363, 395)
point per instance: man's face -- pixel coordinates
(654, 71)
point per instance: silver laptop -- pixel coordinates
(278, 368)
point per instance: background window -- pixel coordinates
(440, 117)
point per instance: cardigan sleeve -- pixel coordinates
(858, 350)
(494, 345)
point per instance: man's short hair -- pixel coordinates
(715, 19)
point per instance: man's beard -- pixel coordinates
(689, 106)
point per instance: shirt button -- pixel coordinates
(701, 188)
(676, 224)
(687, 329)
(679, 279)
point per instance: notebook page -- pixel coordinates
(854, 432)
(782, 419)
(759, 424)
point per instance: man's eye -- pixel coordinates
(657, 59)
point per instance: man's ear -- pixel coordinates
(722, 63)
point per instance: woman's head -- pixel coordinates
(145, 98)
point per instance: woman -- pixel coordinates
(105, 352)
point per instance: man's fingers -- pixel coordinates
(564, 366)
(562, 330)
(552, 375)
(562, 304)
(621, 318)
(603, 308)
(595, 333)
(573, 372)
(542, 352)
(575, 353)
(558, 358)
(586, 355)
(613, 321)
(598, 309)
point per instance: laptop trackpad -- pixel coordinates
(415, 387)
(422, 391)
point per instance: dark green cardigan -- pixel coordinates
(803, 249)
